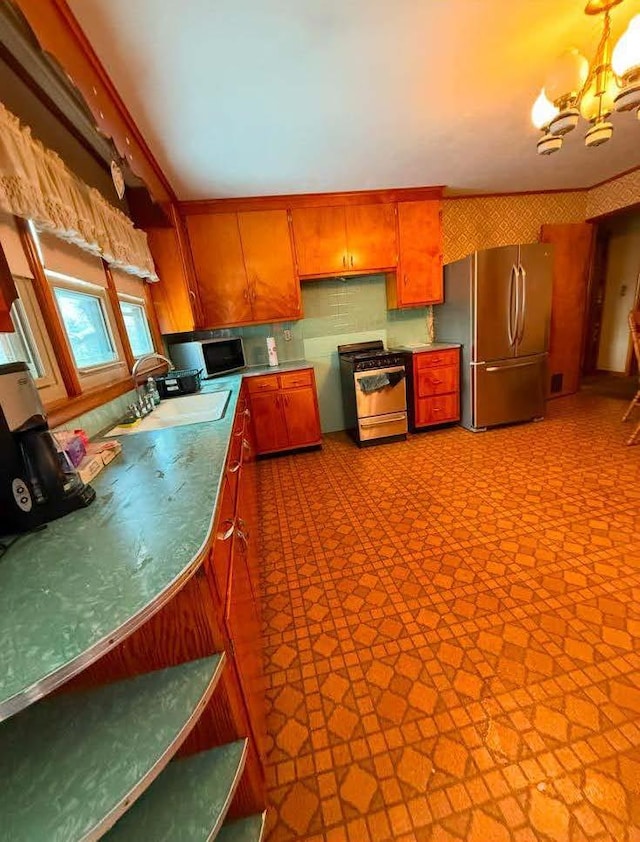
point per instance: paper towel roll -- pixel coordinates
(272, 351)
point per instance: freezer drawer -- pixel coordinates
(508, 391)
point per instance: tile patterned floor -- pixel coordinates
(452, 632)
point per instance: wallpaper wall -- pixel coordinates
(470, 224)
(484, 222)
(614, 195)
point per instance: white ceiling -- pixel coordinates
(252, 97)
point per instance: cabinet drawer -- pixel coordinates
(437, 410)
(296, 378)
(430, 359)
(436, 381)
(266, 383)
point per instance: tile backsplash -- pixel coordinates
(336, 311)
(104, 416)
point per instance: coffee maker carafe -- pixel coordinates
(37, 481)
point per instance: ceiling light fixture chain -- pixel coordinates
(574, 88)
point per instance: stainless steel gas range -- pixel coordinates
(373, 392)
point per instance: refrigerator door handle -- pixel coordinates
(493, 368)
(523, 304)
(511, 317)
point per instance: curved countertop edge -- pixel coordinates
(151, 774)
(50, 682)
(39, 689)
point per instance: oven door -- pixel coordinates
(385, 400)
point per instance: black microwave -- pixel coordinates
(212, 356)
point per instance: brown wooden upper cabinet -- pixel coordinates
(342, 240)
(244, 267)
(419, 278)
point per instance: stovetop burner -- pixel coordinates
(365, 355)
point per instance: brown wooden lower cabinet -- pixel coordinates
(433, 387)
(284, 410)
(217, 609)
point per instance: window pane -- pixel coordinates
(135, 320)
(19, 346)
(86, 327)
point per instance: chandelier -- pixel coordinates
(573, 88)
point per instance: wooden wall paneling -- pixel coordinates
(320, 238)
(573, 243)
(112, 293)
(268, 257)
(371, 236)
(217, 254)
(47, 304)
(60, 34)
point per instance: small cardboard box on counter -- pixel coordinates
(98, 455)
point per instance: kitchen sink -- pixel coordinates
(177, 412)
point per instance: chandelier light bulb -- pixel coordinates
(566, 78)
(626, 64)
(543, 111)
(625, 59)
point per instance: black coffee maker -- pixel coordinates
(37, 481)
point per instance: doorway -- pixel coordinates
(609, 365)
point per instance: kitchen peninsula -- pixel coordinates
(157, 581)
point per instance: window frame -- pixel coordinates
(102, 373)
(127, 298)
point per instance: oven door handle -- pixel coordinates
(372, 372)
(387, 419)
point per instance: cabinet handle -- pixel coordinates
(405, 279)
(245, 294)
(192, 294)
(351, 256)
(246, 444)
(436, 382)
(228, 532)
(234, 468)
(286, 400)
(344, 261)
(246, 412)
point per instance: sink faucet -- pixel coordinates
(152, 356)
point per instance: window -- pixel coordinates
(137, 325)
(86, 326)
(21, 346)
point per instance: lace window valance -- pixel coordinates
(36, 184)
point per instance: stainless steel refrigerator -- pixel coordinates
(497, 304)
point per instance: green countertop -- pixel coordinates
(188, 801)
(243, 830)
(73, 591)
(72, 764)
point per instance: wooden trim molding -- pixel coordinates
(112, 294)
(59, 33)
(49, 311)
(309, 200)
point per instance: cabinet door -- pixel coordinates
(268, 422)
(171, 297)
(371, 237)
(242, 625)
(419, 278)
(273, 285)
(220, 271)
(321, 240)
(301, 416)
